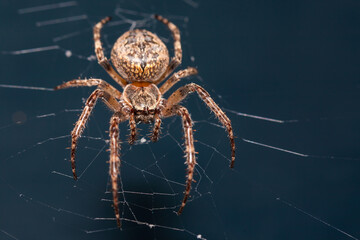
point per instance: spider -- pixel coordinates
(142, 62)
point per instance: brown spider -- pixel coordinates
(142, 59)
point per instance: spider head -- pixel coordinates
(140, 56)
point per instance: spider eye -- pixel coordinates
(139, 55)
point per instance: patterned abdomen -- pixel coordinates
(140, 56)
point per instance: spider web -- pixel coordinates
(296, 172)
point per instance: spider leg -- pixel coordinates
(89, 83)
(176, 77)
(114, 167)
(176, 60)
(189, 150)
(157, 128)
(103, 61)
(132, 124)
(80, 124)
(182, 93)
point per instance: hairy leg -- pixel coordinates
(157, 127)
(80, 124)
(184, 91)
(89, 83)
(132, 124)
(114, 167)
(189, 147)
(176, 77)
(176, 60)
(103, 61)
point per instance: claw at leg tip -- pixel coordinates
(118, 224)
(232, 164)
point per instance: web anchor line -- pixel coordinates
(289, 204)
(297, 153)
(47, 7)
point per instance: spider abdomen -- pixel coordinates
(140, 56)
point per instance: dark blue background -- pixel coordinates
(296, 61)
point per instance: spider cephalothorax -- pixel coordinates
(142, 62)
(144, 97)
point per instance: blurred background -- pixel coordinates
(286, 74)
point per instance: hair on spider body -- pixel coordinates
(142, 62)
